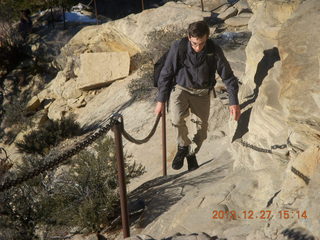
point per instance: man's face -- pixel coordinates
(198, 43)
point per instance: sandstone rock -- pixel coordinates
(70, 90)
(40, 118)
(245, 14)
(100, 69)
(300, 71)
(208, 5)
(58, 109)
(306, 163)
(242, 6)
(56, 87)
(69, 68)
(230, 12)
(33, 104)
(76, 102)
(139, 27)
(223, 8)
(237, 21)
(140, 237)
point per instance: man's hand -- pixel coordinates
(235, 111)
(159, 108)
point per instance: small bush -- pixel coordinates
(83, 195)
(142, 88)
(41, 140)
(12, 47)
(87, 193)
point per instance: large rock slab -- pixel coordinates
(242, 6)
(171, 16)
(208, 5)
(100, 69)
(299, 46)
(237, 21)
(230, 12)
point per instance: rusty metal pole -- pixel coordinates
(122, 181)
(96, 11)
(142, 5)
(202, 5)
(164, 141)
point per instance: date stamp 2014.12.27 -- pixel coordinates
(262, 214)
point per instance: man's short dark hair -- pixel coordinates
(198, 29)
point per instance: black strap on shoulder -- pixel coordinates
(182, 51)
(211, 60)
(211, 46)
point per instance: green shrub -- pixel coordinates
(142, 88)
(12, 49)
(52, 133)
(83, 195)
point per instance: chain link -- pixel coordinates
(139, 141)
(258, 149)
(263, 150)
(295, 234)
(301, 175)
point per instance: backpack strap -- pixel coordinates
(211, 60)
(182, 51)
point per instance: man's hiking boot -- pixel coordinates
(177, 162)
(192, 162)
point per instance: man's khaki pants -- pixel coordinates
(182, 102)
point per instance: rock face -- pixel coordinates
(278, 102)
(100, 69)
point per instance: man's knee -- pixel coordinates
(178, 122)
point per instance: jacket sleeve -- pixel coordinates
(227, 76)
(167, 73)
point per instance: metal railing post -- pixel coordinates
(164, 141)
(96, 11)
(121, 180)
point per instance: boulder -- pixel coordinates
(242, 6)
(208, 5)
(230, 12)
(33, 104)
(237, 21)
(139, 27)
(58, 109)
(70, 90)
(100, 69)
(306, 164)
(299, 78)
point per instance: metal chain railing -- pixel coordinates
(139, 141)
(296, 234)
(259, 149)
(56, 161)
(117, 123)
(301, 175)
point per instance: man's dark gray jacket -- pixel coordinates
(195, 72)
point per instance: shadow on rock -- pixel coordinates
(160, 194)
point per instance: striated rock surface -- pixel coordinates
(100, 69)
